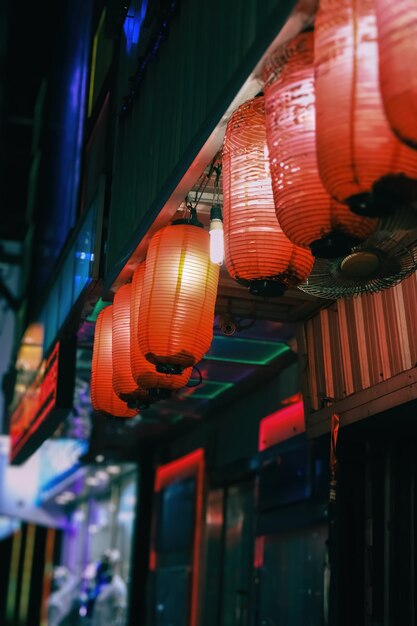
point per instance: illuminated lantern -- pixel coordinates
(143, 371)
(124, 384)
(397, 38)
(176, 311)
(103, 396)
(360, 160)
(305, 211)
(257, 253)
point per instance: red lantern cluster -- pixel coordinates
(103, 396)
(360, 159)
(305, 211)
(168, 309)
(142, 370)
(397, 37)
(257, 253)
(178, 297)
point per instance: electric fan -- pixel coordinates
(384, 259)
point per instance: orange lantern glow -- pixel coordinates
(360, 160)
(397, 37)
(305, 211)
(124, 384)
(103, 396)
(257, 253)
(176, 312)
(143, 371)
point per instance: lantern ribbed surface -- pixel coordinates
(179, 292)
(103, 396)
(356, 147)
(143, 371)
(123, 382)
(255, 246)
(304, 209)
(397, 37)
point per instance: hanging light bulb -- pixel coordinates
(216, 235)
(216, 222)
(361, 161)
(103, 396)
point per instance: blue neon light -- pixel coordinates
(133, 24)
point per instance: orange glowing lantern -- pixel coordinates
(360, 160)
(397, 36)
(257, 253)
(103, 396)
(144, 372)
(124, 384)
(176, 311)
(305, 211)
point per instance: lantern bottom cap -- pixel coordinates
(335, 245)
(378, 203)
(169, 368)
(138, 404)
(264, 287)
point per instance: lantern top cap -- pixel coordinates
(191, 221)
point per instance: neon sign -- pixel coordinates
(45, 404)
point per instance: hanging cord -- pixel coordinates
(196, 383)
(205, 178)
(216, 195)
(205, 181)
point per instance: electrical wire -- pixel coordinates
(197, 383)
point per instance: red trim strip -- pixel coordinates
(190, 465)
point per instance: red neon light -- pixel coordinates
(282, 425)
(296, 397)
(152, 560)
(179, 469)
(189, 465)
(258, 560)
(36, 404)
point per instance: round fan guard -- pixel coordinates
(387, 257)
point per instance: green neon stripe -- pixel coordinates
(256, 352)
(209, 389)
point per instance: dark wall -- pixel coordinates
(209, 51)
(232, 434)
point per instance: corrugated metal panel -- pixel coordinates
(358, 343)
(211, 49)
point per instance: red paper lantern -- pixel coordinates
(143, 371)
(305, 211)
(176, 312)
(103, 396)
(257, 253)
(124, 384)
(397, 36)
(360, 159)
